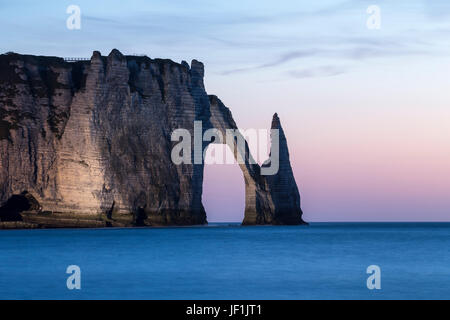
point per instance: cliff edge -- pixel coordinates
(88, 144)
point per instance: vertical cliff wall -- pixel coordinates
(88, 144)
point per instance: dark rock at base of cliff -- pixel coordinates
(12, 209)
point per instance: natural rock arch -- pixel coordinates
(269, 199)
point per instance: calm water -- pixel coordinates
(325, 261)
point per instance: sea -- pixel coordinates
(229, 261)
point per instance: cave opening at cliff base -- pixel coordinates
(16, 204)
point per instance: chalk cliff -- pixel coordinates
(88, 144)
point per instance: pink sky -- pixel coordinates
(377, 150)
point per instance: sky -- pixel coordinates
(366, 111)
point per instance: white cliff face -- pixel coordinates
(89, 143)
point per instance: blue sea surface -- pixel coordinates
(226, 261)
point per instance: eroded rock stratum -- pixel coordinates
(88, 144)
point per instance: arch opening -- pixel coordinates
(223, 195)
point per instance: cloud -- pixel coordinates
(281, 60)
(436, 9)
(289, 15)
(349, 49)
(99, 19)
(289, 57)
(322, 71)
